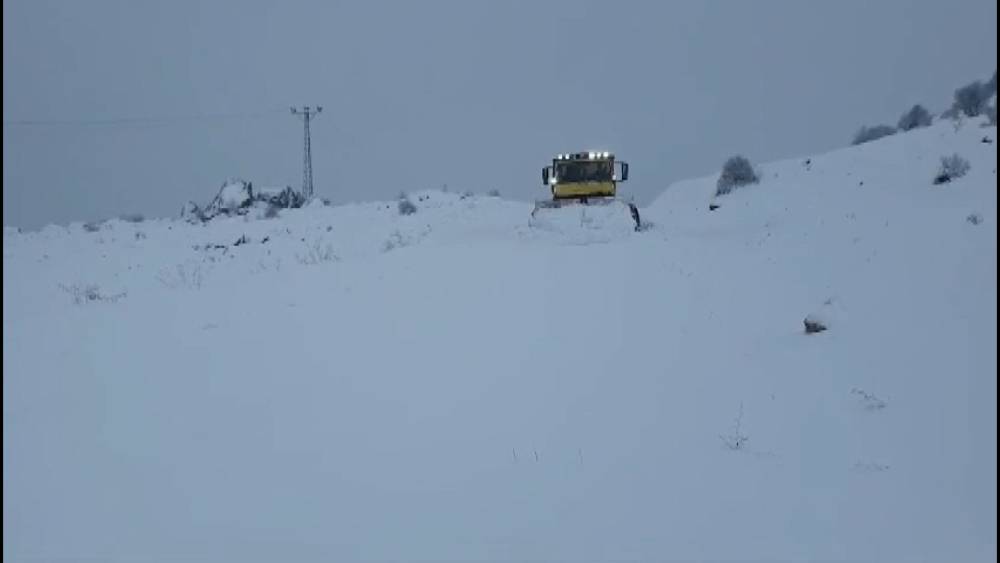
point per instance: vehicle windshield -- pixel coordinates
(584, 171)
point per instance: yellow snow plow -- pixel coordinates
(585, 179)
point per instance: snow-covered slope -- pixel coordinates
(349, 384)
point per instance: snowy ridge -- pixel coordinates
(350, 384)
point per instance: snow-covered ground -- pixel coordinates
(349, 384)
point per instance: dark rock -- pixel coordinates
(813, 325)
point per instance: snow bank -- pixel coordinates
(584, 224)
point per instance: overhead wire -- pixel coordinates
(141, 120)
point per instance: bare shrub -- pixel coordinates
(952, 167)
(317, 253)
(736, 439)
(90, 293)
(868, 134)
(971, 99)
(916, 117)
(736, 172)
(870, 467)
(406, 207)
(868, 400)
(188, 275)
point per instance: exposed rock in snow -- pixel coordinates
(814, 324)
(238, 197)
(233, 196)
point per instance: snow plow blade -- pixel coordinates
(597, 214)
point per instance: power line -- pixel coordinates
(135, 120)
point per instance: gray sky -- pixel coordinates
(472, 94)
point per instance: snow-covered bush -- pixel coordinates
(271, 212)
(868, 400)
(188, 275)
(93, 226)
(868, 134)
(952, 167)
(192, 213)
(406, 206)
(283, 198)
(89, 293)
(736, 172)
(394, 241)
(917, 116)
(83, 293)
(870, 467)
(318, 253)
(132, 217)
(493, 193)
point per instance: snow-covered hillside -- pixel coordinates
(350, 384)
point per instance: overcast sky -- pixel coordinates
(470, 94)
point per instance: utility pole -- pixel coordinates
(307, 167)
